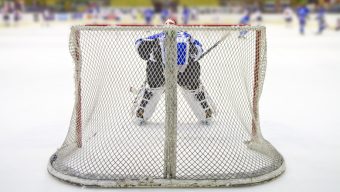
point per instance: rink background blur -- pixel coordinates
(299, 107)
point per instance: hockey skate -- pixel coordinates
(208, 117)
(200, 103)
(139, 117)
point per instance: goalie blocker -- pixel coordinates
(189, 51)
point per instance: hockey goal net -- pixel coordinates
(168, 107)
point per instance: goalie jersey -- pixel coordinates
(152, 48)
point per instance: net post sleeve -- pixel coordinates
(170, 103)
(256, 89)
(78, 89)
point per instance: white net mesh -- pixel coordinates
(165, 109)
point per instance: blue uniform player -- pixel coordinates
(302, 13)
(148, 14)
(165, 13)
(321, 19)
(246, 18)
(244, 21)
(186, 15)
(189, 51)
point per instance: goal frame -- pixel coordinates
(170, 125)
(78, 78)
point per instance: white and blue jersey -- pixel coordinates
(184, 41)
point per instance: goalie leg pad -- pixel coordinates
(146, 102)
(200, 102)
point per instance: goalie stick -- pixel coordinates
(214, 46)
(135, 91)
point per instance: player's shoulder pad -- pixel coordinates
(156, 36)
(186, 34)
(196, 42)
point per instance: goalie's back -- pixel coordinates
(152, 48)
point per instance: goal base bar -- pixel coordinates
(166, 183)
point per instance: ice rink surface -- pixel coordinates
(299, 108)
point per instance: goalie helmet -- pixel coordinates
(170, 21)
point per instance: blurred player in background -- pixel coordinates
(320, 17)
(186, 15)
(288, 15)
(194, 14)
(165, 14)
(302, 13)
(47, 16)
(18, 9)
(6, 10)
(245, 20)
(134, 14)
(148, 14)
(337, 28)
(36, 10)
(93, 11)
(189, 51)
(258, 16)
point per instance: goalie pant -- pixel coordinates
(188, 78)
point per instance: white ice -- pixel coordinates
(299, 108)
